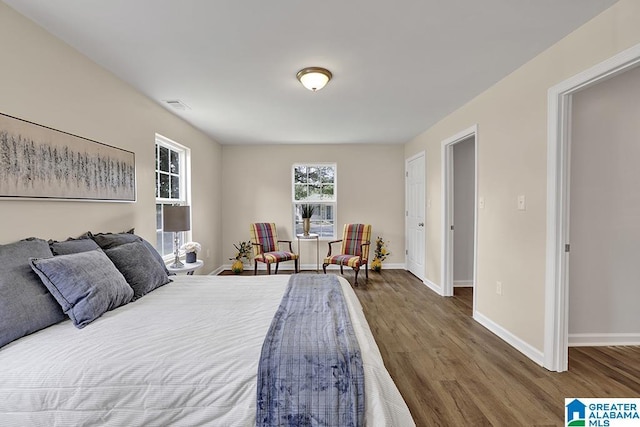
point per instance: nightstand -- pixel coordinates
(188, 268)
(311, 236)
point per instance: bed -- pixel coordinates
(184, 354)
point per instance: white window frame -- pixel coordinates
(333, 202)
(185, 193)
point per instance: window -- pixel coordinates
(315, 184)
(172, 185)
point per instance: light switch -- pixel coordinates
(481, 202)
(522, 203)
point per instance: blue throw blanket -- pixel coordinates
(310, 371)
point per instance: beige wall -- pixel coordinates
(45, 81)
(512, 133)
(257, 188)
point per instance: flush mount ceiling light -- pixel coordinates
(314, 78)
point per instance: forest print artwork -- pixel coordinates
(40, 162)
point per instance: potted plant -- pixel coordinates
(191, 249)
(306, 211)
(243, 252)
(381, 253)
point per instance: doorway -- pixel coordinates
(415, 215)
(459, 216)
(556, 337)
(604, 210)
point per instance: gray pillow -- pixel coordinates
(26, 306)
(138, 267)
(72, 246)
(86, 284)
(111, 240)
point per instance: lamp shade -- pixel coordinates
(176, 218)
(314, 78)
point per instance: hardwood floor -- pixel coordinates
(452, 371)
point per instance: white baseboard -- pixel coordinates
(434, 287)
(463, 283)
(532, 353)
(285, 266)
(600, 339)
(288, 266)
(391, 266)
(217, 271)
(385, 266)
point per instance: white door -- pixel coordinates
(415, 194)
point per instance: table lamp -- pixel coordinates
(176, 219)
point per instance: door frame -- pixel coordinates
(556, 327)
(406, 209)
(447, 210)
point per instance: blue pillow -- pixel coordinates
(26, 306)
(86, 284)
(138, 267)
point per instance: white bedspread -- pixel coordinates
(186, 355)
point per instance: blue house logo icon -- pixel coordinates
(576, 413)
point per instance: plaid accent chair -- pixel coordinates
(355, 249)
(266, 247)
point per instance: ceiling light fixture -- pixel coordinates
(314, 78)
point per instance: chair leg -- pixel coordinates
(296, 268)
(366, 270)
(341, 270)
(277, 265)
(255, 268)
(324, 268)
(355, 282)
(269, 269)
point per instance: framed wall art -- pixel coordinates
(44, 163)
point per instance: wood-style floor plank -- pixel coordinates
(481, 380)
(452, 371)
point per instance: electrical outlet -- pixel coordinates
(481, 202)
(499, 288)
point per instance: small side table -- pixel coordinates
(311, 236)
(188, 268)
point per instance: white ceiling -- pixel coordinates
(399, 66)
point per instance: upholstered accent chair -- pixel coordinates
(354, 253)
(266, 247)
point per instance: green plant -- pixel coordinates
(243, 250)
(307, 211)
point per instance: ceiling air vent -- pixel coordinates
(177, 104)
